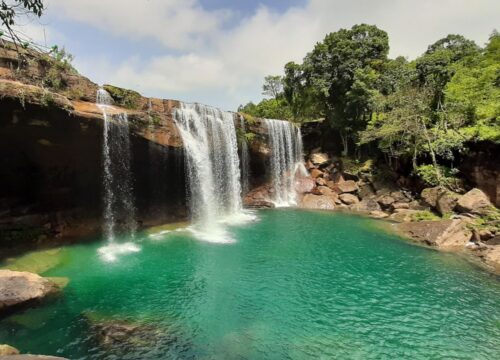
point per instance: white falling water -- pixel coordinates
(213, 169)
(119, 209)
(285, 141)
(245, 160)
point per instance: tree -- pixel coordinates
(473, 95)
(11, 10)
(273, 86)
(434, 67)
(342, 72)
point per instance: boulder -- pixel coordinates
(259, 204)
(321, 181)
(304, 185)
(475, 201)
(365, 190)
(321, 202)
(325, 190)
(446, 202)
(444, 234)
(319, 158)
(400, 205)
(431, 195)
(347, 186)
(385, 201)
(316, 173)
(21, 288)
(349, 199)
(365, 205)
(8, 350)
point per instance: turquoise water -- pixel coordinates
(295, 285)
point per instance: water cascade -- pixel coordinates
(245, 160)
(285, 141)
(119, 209)
(212, 169)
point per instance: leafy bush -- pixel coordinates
(448, 176)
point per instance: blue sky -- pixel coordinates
(218, 51)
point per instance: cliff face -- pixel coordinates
(51, 155)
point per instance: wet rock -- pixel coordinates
(475, 201)
(349, 199)
(259, 204)
(8, 350)
(348, 186)
(321, 202)
(444, 234)
(21, 288)
(304, 185)
(493, 241)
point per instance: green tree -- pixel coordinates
(473, 95)
(342, 72)
(434, 68)
(273, 86)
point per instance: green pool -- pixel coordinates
(294, 285)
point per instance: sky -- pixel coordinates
(217, 52)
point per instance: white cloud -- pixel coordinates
(223, 62)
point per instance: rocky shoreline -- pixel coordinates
(438, 218)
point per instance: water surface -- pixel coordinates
(294, 285)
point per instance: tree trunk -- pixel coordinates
(433, 154)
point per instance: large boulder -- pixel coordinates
(316, 173)
(19, 288)
(349, 199)
(444, 234)
(430, 196)
(475, 201)
(347, 186)
(446, 202)
(385, 201)
(321, 202)
(304, 185)
(319, 158)
(365, 205)
(8, 350)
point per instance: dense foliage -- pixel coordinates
(426, 111)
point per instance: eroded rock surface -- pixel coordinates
(21, 288)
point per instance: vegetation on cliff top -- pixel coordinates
(425, 112)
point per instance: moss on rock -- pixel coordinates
(129, 99)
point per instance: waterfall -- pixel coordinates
(119, 209)
(245, 160)
(212, 169)
(285, 142)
